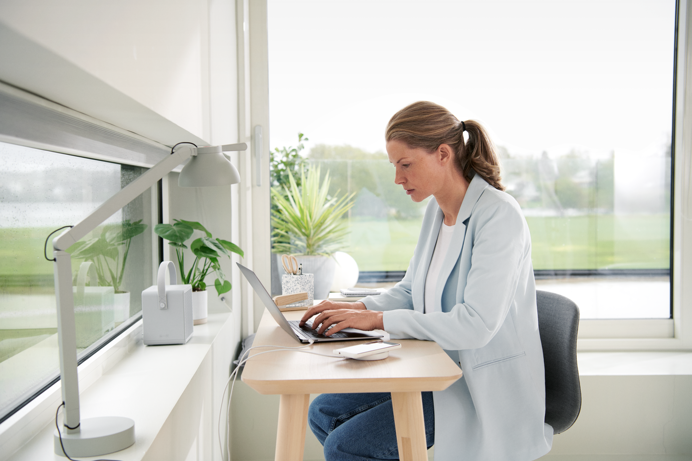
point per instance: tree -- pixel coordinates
(285, 160)
(367, 174)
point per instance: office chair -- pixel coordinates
(558, 322)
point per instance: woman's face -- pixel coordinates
(420, 173)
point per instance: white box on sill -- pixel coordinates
(167, 310)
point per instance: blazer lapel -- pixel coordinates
(418, 288)
(473, 193)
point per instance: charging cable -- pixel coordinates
(231, 380)
(57, 426)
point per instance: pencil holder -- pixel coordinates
(297, 284)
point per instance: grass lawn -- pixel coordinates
(22, 263)
(21, 251)
(581, 242)
(601, 241)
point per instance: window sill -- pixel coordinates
(148, 384)
(635, 363)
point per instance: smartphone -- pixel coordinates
(364, 350)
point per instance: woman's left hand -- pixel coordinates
(348, 318)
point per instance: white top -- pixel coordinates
(441, 249)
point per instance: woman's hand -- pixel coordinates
(329, 305)
(343, 315)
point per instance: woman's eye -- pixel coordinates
(406, 165)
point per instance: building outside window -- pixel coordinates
(578, 101)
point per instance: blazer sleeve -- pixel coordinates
(501, 249)
(397, 297)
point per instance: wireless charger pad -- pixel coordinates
(380, 356)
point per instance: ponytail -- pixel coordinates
(478, 155)
(427, 125)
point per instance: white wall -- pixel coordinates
(143, 66)
(163, 69)
(629, 417)
(209, 206)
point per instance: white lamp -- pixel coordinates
(98, 436)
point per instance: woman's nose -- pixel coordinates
(398, 178)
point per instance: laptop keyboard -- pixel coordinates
(313, 334)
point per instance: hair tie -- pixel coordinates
(463, 126)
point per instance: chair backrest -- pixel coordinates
(558, 323)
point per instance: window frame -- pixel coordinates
(674, 333)
(653, 334)
(28, 114)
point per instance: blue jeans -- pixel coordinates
(360, 427)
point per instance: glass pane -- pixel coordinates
(578, 104)
(383, 224)
(41, 191)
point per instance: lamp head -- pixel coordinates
(210, 167)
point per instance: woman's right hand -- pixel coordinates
(327, 305)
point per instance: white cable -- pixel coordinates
(241, 361)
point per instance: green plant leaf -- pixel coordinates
(110, 252)
(178, 232)
(214, 262)
(306, 220)
(84, 249)
(230, 246)
(195, 225)
(222, 287)
(74, 249)
(92, 248)
(119, 235)
(201, 248)
(206, 249)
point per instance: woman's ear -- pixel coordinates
(445, 153)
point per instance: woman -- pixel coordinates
(470, 288)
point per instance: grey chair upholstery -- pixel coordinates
(558, 323)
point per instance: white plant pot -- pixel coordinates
(346, 273)
(121, 307)
(199, 307)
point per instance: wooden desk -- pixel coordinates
(417, 367)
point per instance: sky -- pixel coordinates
(545, 75)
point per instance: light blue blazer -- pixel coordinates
(488, 324)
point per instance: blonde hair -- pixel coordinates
(427, 125)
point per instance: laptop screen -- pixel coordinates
(266, 299)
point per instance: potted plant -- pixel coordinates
(108, 254)
(207, 251)
(307, 224)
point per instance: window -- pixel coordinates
(579, 102)
(39, 192)
(56, 167)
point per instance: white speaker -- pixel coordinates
(167, 310)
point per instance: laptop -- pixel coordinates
(304, 334)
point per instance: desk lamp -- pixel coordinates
(98, 436)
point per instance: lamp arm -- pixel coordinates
(225, 148)
(113, 433)
(123, 197)
(67, 333)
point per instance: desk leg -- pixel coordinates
(410, 425)
(293, 421)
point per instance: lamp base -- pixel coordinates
(96, 436)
